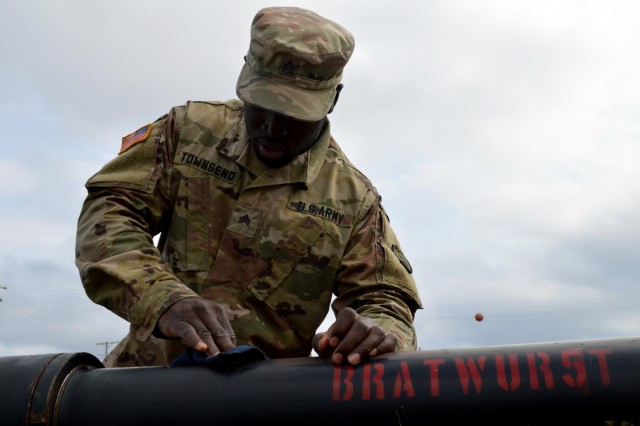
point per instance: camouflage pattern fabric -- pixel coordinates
(295, 61)
(270, 245)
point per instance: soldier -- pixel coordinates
(261, 217)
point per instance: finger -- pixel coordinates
(389, 344)
(363, 336)
(320, 344)
(218, 334)
(211, 347)
(226, 326)
(371, 341)
(339, 329)
(189, 336)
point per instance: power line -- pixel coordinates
(106, 346)
(44, 291)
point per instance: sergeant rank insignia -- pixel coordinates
(131, 139)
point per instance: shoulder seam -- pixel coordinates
(232, 104)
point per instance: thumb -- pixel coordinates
(320, 344)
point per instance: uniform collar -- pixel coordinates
(302, 169)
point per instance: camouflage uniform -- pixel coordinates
(269, 244)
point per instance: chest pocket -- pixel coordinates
(296, 284)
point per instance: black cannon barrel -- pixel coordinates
(576, 382)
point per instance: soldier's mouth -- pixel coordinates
(270, 151)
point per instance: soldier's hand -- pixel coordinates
(353, 338)
(200, 324)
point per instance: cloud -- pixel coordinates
(44, 310)
(503, 138)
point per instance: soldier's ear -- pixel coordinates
(335, 100)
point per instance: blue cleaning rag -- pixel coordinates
(235, 357)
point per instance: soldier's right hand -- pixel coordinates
(200, 324)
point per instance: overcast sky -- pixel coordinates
(504, 137)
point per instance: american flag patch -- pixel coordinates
(131, 139)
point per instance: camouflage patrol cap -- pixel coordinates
(295, 62)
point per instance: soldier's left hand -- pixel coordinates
(353, 338)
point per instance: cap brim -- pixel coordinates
(304, 105)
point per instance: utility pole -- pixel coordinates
(106, 346)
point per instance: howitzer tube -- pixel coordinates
(30, 385)
(585, 383)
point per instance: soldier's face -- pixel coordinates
(277, 139)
